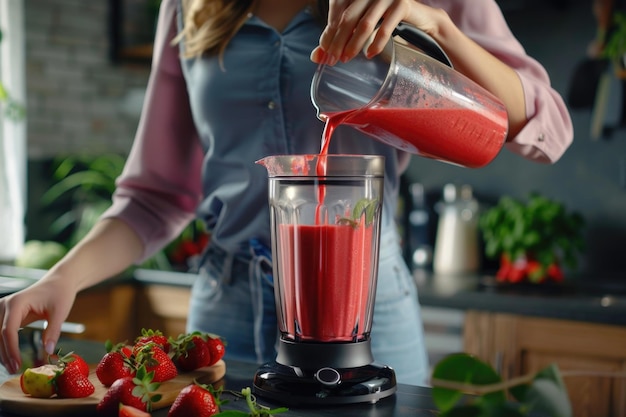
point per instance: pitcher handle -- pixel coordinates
(422, 40)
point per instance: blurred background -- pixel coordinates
(86, 65)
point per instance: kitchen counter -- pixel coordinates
(601, 302)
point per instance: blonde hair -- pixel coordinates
(209, 25)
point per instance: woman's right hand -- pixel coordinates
(52, 297)
(354, 23)
(47, 299)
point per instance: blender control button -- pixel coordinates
(328, 376)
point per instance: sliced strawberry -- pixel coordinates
(130, 411)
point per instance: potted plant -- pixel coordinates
(533, 240)
(85, 184)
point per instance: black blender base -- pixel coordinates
(291, 385)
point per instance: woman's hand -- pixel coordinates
(51, 298)
(352, 24)
(47, 299)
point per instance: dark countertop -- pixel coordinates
(408, 401)
(601, 302)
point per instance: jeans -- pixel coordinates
(234, 298)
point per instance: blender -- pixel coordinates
(325, 232)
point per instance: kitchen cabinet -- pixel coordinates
(163, 307)
(107, 311)
(588, 355)
(119, 312)
(119, 309)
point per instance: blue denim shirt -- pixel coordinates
(254, 104)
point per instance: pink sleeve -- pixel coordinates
(549, 131)
(160, 187)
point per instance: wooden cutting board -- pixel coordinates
(13, 400)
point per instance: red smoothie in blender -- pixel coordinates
(326, 270)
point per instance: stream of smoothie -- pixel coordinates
(327, 268)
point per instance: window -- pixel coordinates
(12, 130)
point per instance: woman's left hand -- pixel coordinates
(351, 24)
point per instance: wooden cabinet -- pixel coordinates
(107, 311)
(163, 307)
(589, 355)
(118, 312)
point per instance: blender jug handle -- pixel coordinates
(422, 40)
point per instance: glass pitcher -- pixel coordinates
(411, 98)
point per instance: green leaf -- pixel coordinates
(465, 369)
(231, 413)
(485, 410)
(367, 206)
(364, 205)
(547, 394)
(83, 179)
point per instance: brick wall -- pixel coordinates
(77, 99)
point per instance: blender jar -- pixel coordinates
(325, 220)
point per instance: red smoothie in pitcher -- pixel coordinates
(459, 136)
(326, 280)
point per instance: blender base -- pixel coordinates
(292, 385)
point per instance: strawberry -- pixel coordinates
(37, 382)
(155, 360)
(194, 400)
(116, 363)
(130, 411)
(137, 392)
(555, 273)
(74, 361)
(191, 351)
(70, 382)
(155, 336)
(217, 347)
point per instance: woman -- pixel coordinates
(233, 88)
